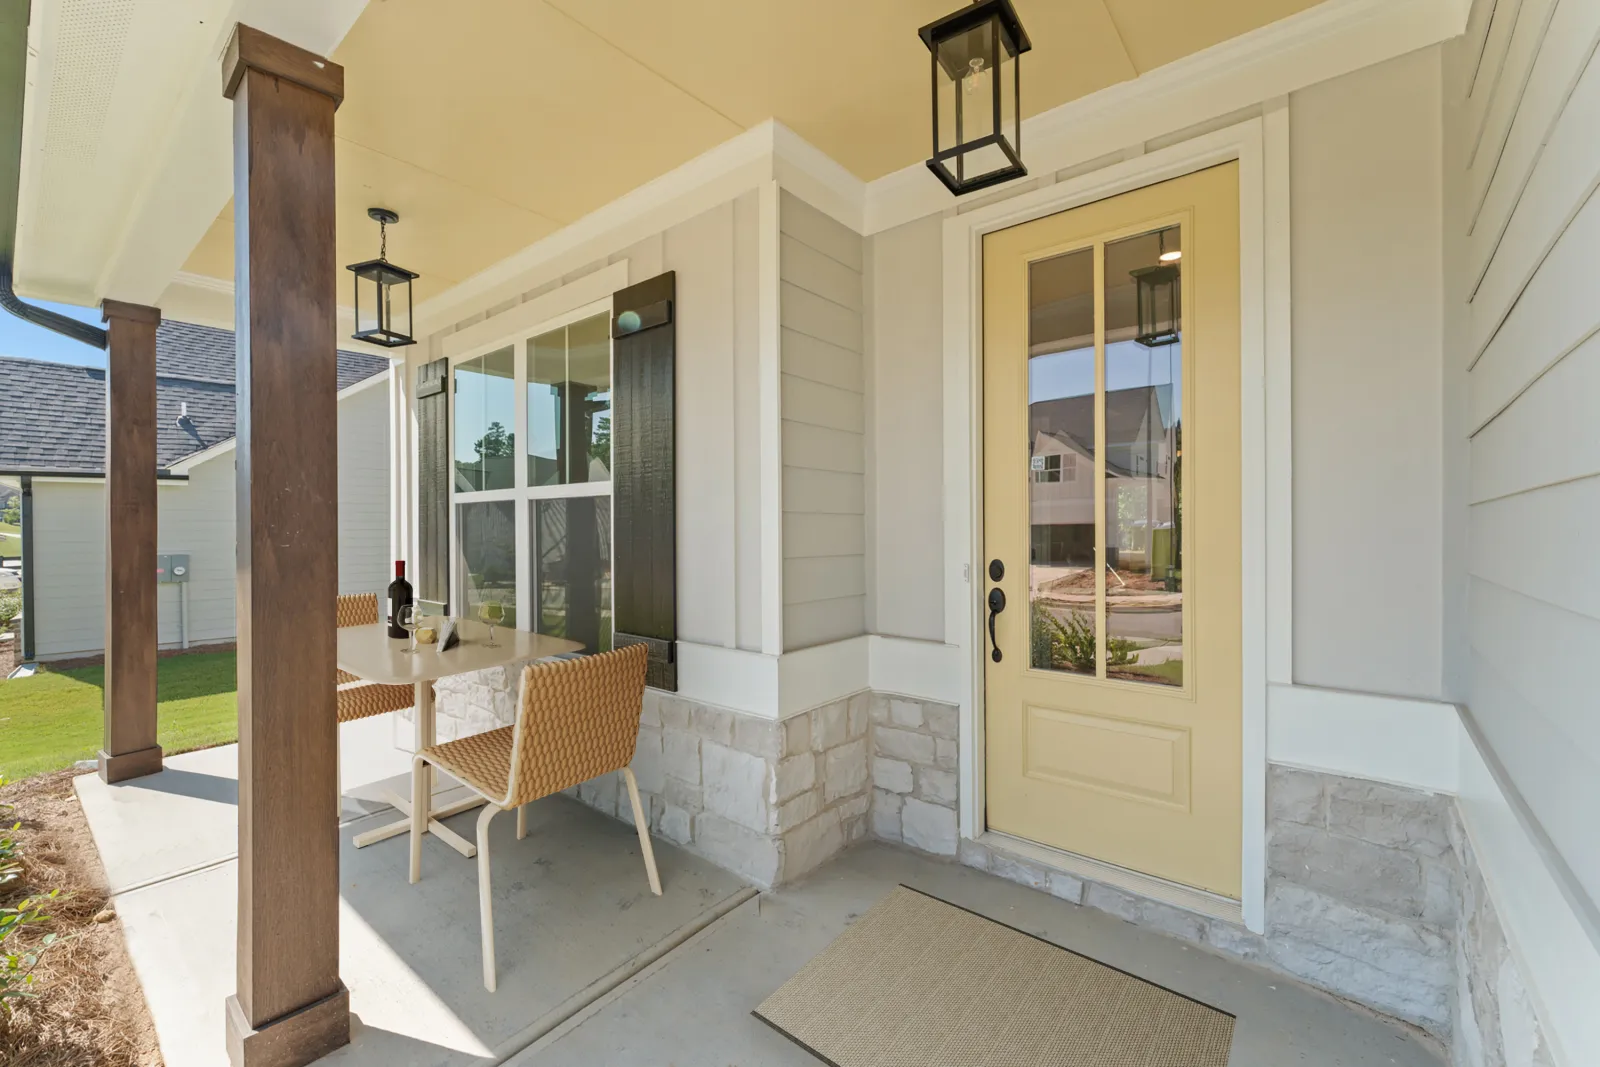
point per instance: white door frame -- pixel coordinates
(1261, 147)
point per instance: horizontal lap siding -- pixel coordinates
(365, 564)
(824, 427)
(1529, 221)
(69, 567)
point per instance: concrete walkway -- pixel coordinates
(593, 969)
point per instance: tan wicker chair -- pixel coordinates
(577, 719)
(357, 699)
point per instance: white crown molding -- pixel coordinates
(1333, 38)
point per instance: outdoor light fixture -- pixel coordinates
(383, 292)
(977, 83)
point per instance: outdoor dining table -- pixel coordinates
(369, 653)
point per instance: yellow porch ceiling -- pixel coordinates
(493, 123)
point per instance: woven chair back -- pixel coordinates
(357, 609)
(579, 719)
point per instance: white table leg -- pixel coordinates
(425, 734)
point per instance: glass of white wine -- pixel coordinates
(493, 613)
(408, 617)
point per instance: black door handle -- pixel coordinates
(997, 604)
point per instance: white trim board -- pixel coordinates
(1263, 237)
(1399, 740)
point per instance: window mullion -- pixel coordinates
(1100, 554)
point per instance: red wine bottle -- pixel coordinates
(399, 597)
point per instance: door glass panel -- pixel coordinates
(485, 394)
(572, 569)
(1061, 437)
(569, 404)
(486, 557)
(1144, 448)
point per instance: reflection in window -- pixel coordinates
(485, 412)
(486, 557)
(572, 569)
(1144, 446)
(569, 404)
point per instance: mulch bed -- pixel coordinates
(89, 1010)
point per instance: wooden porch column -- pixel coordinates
(130, 748)
(290, 1007)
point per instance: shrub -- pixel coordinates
(16, 963)
(1069, 644)
(10, 606)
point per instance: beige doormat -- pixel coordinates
(917, 982)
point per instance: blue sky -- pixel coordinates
(1128, 366)
(19, 338)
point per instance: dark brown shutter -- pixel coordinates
(644, 489)
(432, 578)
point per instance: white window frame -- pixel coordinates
(517, 337)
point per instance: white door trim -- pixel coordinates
(1260, 145)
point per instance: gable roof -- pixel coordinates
(52, 415)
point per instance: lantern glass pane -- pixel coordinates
(1144, 467)
(366, 303)
(397, 308)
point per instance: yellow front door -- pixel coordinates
(1111, 527)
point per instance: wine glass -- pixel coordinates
(493, 613)
(407, 617)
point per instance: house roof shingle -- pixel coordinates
(52, 415)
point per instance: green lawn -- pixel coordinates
(53, 719)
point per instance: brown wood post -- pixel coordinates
(290, 1007)
(130, 748)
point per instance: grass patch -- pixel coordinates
(52, 720)
(1170, 672)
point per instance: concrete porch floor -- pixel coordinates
(593, 969)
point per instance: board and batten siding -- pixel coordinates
(824, 426)
(1522, 164)
(197, 516)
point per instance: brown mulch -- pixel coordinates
(90, 1011)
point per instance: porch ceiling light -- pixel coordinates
(977, 84)
(383, 292)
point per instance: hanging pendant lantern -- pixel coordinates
(1160, 297)
(383, 292)
(977, 84)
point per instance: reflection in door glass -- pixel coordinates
(1061, 386)
(1144, 464)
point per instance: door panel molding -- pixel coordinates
(1260, 146)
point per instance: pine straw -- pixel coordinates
(90, 1011)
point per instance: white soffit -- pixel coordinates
(127, 139)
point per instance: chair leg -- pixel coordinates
(485, 906)
(419, 816)
(643, 826)
(522, 821)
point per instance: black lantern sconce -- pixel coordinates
(1160, 296)
(977, 84)
(383, 292)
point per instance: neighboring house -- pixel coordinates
(53, 432)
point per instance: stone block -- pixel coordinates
(735, 784)
(886, 815)
(941, 720)
(972, 854)
(846, 770)
(812, 843)
(793, 776)
(937, 786)
(1441, 899)
(945, 754)
(1020, 871)
(860, 714)
(1294, 796)
(676, 824)
(799, 809)
(903, 745)
(905, 713)
(1404, 819)
(892, 775)
(680, 756)
(738, 848)
(830, 725)
(1398, 967)
(1066, 887)
(759, 737)
(683, 794)
(650, 710)
(1235, 940)
(878, 710)
(675, 714)
(713, 724)
(797, 734)
(856, 806)
(647, 765)
(1153, 914)
(1346, 869)
(928, 827)
(600, 793)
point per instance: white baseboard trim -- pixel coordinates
(1558, 960)
(1401, 741)
(924, 670)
